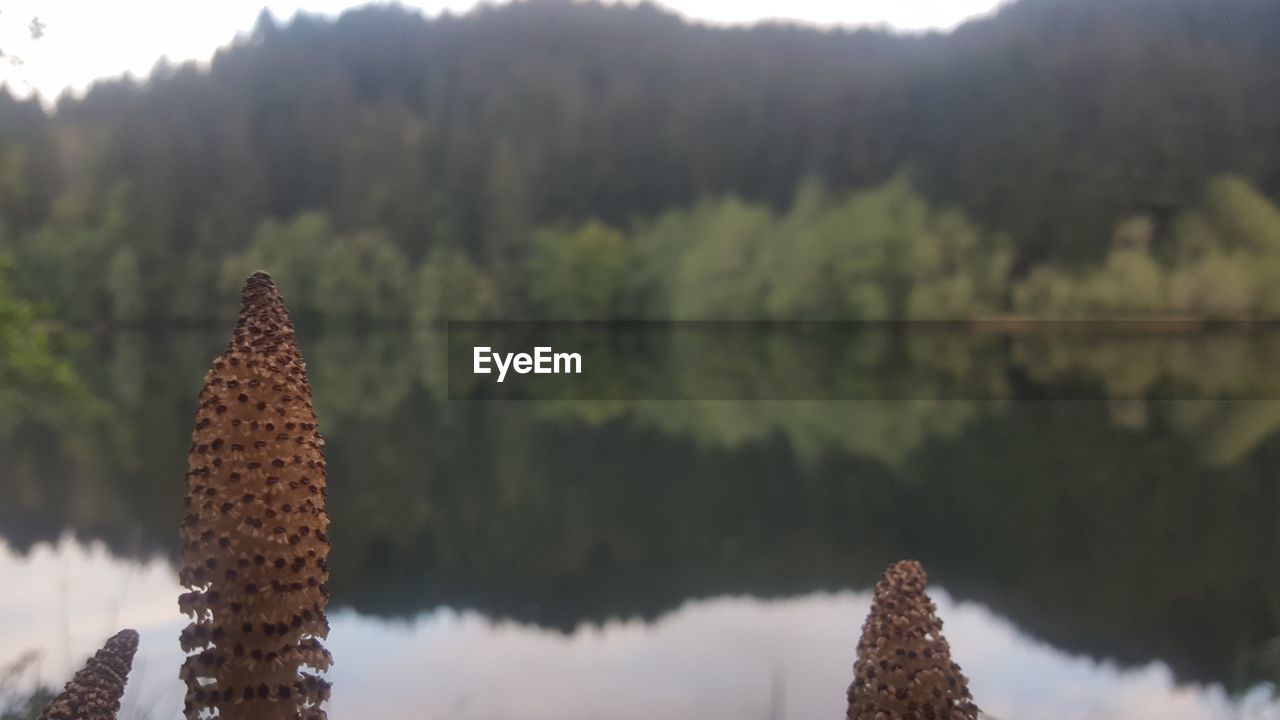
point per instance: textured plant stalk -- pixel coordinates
(94, 693)
(904, 669)
(254, 536)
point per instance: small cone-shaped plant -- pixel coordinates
(904, 669)
(94, 693)
(254, 537)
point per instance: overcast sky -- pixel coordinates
(87, 39)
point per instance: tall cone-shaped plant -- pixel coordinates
(254, 536)
(94, 693)
(904, 669)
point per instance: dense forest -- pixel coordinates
(562, 159)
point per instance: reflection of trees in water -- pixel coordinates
(1156, 551)
(909, 383)
(1115, 539)
(1099, 539)
(364, 376)
(1226, 431)
(886, 431)
(108, 473)
(1200, 365)
(1234, 393)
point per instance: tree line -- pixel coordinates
(879, 253)
(555, 158)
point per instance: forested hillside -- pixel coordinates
(515, 150)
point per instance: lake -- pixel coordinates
(1100, 517)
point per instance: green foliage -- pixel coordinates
(932, 264)
(1223, 265)
(368, 375)
(505, 232)
(1217, 285)
(362, 278)
(578, 274)
(200, 294)
(343, 278)
(82, 265)
(294, 252)
(1239, 217)
(124, 287)
(36, 381)
(718, 277)
(451, 287)
(878, 254)
(14, 164)
(1228, 254)
(61, 266)
(1129, 284)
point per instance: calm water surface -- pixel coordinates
(566, 560)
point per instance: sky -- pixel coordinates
(84, 40)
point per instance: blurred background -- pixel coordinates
(395, 167)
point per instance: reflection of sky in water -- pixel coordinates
(726, 657)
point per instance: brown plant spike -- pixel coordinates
(254, 536)
(904, 669)
(94, 693)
